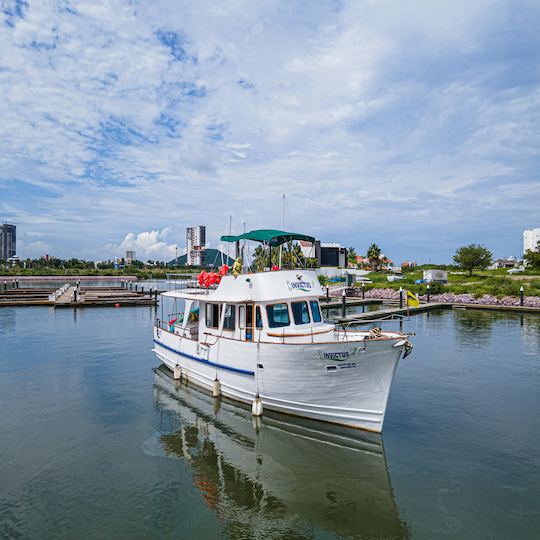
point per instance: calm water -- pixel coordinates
(97, 443)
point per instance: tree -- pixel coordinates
(351, 255)
(291, 257)
(473, 256)
(374, 254)
(532, 258)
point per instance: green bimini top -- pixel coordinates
(271, 237)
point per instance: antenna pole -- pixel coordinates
(229, 243)
(282, 220)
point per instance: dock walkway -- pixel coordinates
(352, 302)
(90, 296)
(383, 313)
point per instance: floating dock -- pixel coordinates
(388, 313)
(77, 296)
(351, 302)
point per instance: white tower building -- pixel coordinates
(195, 244)
(531, 237)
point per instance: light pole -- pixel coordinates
(400, 297)
(428, 293)
(521, 296)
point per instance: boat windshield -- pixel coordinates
(278, 315)
(300, 312)
(315, 310)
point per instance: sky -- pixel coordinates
(414, 125)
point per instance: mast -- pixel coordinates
(281, 227)
(229, 247)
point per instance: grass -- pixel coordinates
(493, 282)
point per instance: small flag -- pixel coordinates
(412, 299)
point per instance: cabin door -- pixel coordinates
(249, 322)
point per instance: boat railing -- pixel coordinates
(191, 286)
(343, 329)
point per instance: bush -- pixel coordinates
(323, 280)
(436, 288)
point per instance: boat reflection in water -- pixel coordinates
(276, 476)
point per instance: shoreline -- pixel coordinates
(451, 298)
(66, 278)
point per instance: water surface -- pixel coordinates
(98, 443)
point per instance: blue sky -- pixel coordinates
(414, 124)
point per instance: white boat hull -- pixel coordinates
(345, 382)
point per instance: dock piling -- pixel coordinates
(401, 298)
(344, 304)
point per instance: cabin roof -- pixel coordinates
(259, 287)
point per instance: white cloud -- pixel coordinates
(148, 245)
(33, 250)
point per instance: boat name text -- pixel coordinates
(335, 355)
(299, 285)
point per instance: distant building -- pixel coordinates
(195, 245)
(509, 262)
(531, 237)
(327, 254)
(131, 256)
(363, 261)
(435, 276)
(409, 264)
(8, 241)
(209, 258)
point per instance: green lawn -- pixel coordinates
(495, 282)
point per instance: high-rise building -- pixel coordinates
(531, 237)
(195, 243)
(130, 256)
(8, 241)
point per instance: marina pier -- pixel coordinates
(78, 296)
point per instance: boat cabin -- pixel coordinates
(281, 306)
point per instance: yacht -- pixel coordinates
(260, 338)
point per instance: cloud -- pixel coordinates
(405, 123)
(33, 250)
(148, 245)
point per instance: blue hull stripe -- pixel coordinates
(207, 362)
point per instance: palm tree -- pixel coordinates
(291, 257)
(374, 254)
(351, 255)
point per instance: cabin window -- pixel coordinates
(229, 322)
(258, 318)
(315, 310)
(213, 311)
(300, 312)
(278, 315)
